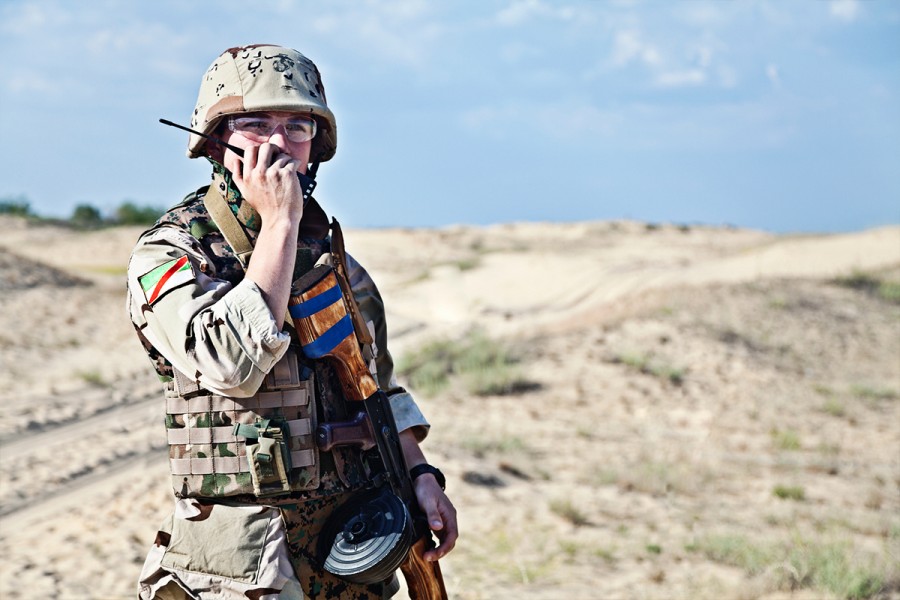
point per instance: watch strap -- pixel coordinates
(423, 468)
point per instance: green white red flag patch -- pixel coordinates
(165, 278)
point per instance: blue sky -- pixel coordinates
(779, 115)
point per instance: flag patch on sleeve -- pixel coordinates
(165, 278)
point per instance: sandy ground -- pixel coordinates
(708, 414)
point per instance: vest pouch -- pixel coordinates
(268, 456)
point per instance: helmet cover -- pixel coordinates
(263, 77)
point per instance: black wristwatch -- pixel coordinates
(426, 468)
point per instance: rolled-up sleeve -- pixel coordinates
(221, 335)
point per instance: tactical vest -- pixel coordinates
(207, 433)
(263, 445)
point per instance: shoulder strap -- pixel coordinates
(227, 222)
(339, 259)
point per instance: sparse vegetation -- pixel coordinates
(831, 566)
(650, 365)
(568, 511)
(869, 392)
(651, 477)
(480, 446)
(789, 492)
(569, 548)
(786, 439)
(737, 551)
(834, 407)
(608, 555)
(467, 264)
(884, 289)
(92, 378)
(485, 367)
(654, 548)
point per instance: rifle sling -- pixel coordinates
(227, 222)
(339, 258)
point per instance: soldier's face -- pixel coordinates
(299, 151)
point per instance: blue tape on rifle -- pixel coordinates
(330, 339)
(316, 303)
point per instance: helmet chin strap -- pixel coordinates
(308, 181)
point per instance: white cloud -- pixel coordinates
(681, 78)
(32, 83)
(728, 77)
(628, 47)
(32, 18)
(402, 34)
(773, 75)
(521, 11)
(845, 10)
(704, 56)
(515, 51)
(700, 15)
(567, 120)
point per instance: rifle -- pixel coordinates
(369, 537)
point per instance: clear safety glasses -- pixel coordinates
(260, 128)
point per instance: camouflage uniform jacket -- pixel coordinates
(203, 319)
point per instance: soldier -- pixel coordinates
(213, 325)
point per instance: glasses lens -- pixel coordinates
(300, 130)
(260, 129)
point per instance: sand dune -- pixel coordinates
(710, 414)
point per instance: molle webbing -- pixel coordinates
(208, 440)
(200, 405)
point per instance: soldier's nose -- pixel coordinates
(279, 138)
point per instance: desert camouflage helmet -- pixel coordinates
(263, 77)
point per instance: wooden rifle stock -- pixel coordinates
(423, 579)
(321, 316)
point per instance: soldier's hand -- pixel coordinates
(267, 179)
(441, 515)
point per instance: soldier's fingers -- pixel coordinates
(268, 153)
(233, 163)
(284, 163)
(447, 542)
(447, 534)
(251, 160)
(450, 532)
(430, 507)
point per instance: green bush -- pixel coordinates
(129, 213)
(789, 492)
(483, 365)
(16, 206)
(86, 216)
